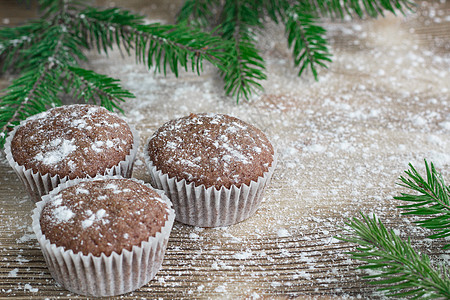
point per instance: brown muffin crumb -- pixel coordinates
(102, 216)
(211, 149)
(72, 140)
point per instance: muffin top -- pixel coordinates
(211, 149)
(102, 216)
(72, 140)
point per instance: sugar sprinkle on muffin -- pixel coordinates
(73, 140)
(67, 142)
(213, 167)
(211, 149)
(103, 236)
(103, 216)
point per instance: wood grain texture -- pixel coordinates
(343, 142)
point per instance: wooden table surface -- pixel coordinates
(342, 141)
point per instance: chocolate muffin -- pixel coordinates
(213, 167)
(103, 216)
(73, 140)
(211, 150)
(103, 236)
(67, 142)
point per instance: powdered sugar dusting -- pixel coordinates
(63, 149)
(63, 214)
(81, 190)
(13, 273)
(67, 140)
(97, 217)
(212, 147)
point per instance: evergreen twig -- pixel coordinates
(360, 8)
(197, 13)
(400, 270)
(48, 52)
(433, 200)
(242, 73)
(307, 40)
(100, 89)
(241, 18)
(37, 88)
(156, 45)
(12, 40)
(33, 92)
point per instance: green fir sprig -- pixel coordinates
(398, 268)
(244, 72)
(432, 200)
(361, 8)
(307, 39)
(239, 20)
(47, 55)
(198, 13)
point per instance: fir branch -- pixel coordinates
(43, 65)
(156, 45)
(99, 89)
(246, 66)
(360, 8)
(33, 92)
(197, 13)
(308, 42)
(433, 200)
(401, 271)
(37, 89)
(14, 40)
(58, 46)
(49, 60)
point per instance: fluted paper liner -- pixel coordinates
(103, 275)
(38, 185)
(209, 207)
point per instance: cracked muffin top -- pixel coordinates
(102, 216)
(211, 149)
(72, 140)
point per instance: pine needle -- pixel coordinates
(246, 67)
(307, 39)
(432, 200)
(400, 270)
(197, 13)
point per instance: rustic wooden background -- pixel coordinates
(343, 143)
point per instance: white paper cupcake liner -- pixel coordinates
(209, 207)
(103, 275)
(38, 185)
